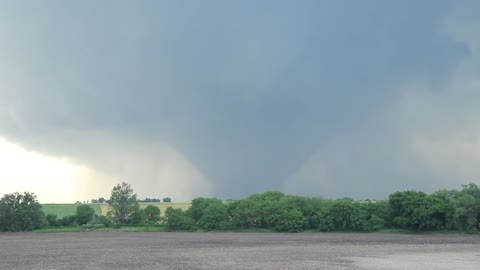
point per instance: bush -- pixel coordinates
(177, 219)
(137, 217)
(373, 223)
(324, 222)
(68, 221)
(51, 220)
(85, 214)
(152, 214)
(291, 220)
(20, 212)
(215, 217)
(106, 221)
(247, 213)
(346, 215)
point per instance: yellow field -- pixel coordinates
(62, 210)
(163, 206)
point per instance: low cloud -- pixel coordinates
(426, 139)
(318, 98)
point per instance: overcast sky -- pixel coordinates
(228, 98)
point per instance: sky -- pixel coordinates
(228, 98)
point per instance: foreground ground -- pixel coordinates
(122, 250)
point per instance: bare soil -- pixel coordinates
(134, 250)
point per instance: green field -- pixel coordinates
(62, 210)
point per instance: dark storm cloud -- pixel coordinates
(247, 92)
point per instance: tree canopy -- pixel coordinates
(20, 212)
(123, 203)
(444, 210)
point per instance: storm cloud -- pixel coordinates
(324, 98)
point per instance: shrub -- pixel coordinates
(152, 214)
(290, 220)
(85, 214)
(177, 219)
(51, 220)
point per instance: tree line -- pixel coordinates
(146, 200)
(444, 210)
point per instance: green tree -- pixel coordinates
(68, 221)
(284, 213)
(137, 217)
(324, 221)
(123, 203)
(247, 213)
(177, 219)
(290, 220)
(416, 210)
(272, 206)
(106, 220)
(382, 210)
(152, 214)
(199, 205)
(346, 215)
(51, 220)
(312, 206)
(372, 223)
(471, 189)
(272, 196)
(215, 217)
(85, 214)
(462, 208)
(20, 212)
(372, 215)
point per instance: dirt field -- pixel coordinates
(120, 250)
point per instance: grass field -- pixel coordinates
(62, 210)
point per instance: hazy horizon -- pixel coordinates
(220, 98)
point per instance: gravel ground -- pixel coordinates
(134, 250)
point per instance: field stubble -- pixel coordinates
(122, 250)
